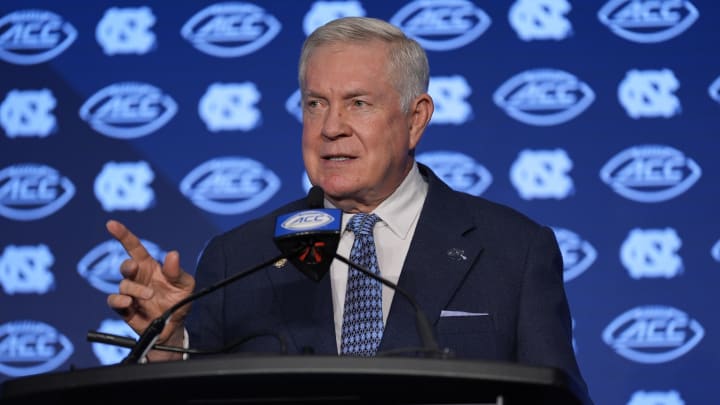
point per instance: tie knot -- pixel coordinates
(362, 224)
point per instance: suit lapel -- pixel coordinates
(443, 250)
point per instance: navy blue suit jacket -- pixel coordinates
(468, 255)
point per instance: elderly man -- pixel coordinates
(489, 278)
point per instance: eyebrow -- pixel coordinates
(350, 94)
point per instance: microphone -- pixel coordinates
(316, 234)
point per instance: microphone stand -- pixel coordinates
(150, 335)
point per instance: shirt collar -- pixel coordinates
(400, 210)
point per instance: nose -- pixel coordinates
(335, 123)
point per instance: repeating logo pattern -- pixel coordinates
(600, 117)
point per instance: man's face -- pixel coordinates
(356, 139)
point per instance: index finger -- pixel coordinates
(127, 239)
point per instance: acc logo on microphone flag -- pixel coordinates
(311, 220)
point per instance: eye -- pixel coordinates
(359, 103)
(312, 104)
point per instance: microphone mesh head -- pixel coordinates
(315, 197)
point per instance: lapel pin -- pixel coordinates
(456, 254)
(280, 263)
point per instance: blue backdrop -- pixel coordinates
(598, 118)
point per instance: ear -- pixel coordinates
(419, 115)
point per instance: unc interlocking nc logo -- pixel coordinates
(230, 106)
(650, 173)
(652, 253)
(230, 29)
(29, 37)
(125, 186)
(542, 174)
(322, 12)
(653, 334)
(540, 19)
(126, 31)
(449, 94)
(26, 113)
(457, 170)
(648, 21)
(649, 93)
(31, 347)
(26, 269)
(442, 25)
(544, 97)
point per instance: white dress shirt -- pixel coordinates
(398, 214)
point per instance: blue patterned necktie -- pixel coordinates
(363, 317)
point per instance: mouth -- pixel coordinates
(338, 158)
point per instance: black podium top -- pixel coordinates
(300, 379)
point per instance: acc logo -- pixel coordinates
(34, 36)
(101, 265)
(128, 110)
(109, 354)
(26, 269)
(31, 347)
(324, 11)
(450, 97)
(459, 171)
(230, 185)
(656, 398)
(442, 25)
(648, 20)
(578, 254)
(230, 29)
(543, 97)
(292, 105)
(32, 191)
(714, 90)
(653, 334)
(715, 251)
(306, 220)
(650, 173)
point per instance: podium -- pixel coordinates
(300, 380)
